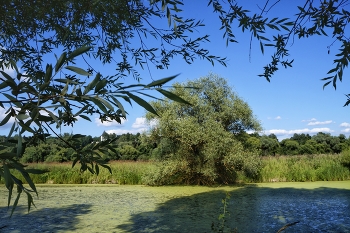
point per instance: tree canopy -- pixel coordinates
(202, 134)
(122, 31)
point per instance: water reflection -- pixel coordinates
(317, 210)
(252, 209)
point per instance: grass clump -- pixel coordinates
(123, 172)
(304, 168)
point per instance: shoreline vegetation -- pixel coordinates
(302, 168)
(152, 159)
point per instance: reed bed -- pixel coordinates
(304, 168)
(275, 169)
(123, 172)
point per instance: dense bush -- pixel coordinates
(128, 152)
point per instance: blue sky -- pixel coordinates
(293, 102)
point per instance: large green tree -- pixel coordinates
(205, 149)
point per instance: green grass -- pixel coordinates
(275, 169)
(123, 172)
(304, 168)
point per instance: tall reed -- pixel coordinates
(123, 172)
(275, 169)
(304, 168)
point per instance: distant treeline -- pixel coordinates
(298, 144)
(142, 147)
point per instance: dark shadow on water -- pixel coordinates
(43, 220)
(252, 209)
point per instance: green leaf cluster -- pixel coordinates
(38, 104)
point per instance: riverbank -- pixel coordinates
(274, 169)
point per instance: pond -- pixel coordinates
(318, 206)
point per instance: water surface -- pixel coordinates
(318, 206)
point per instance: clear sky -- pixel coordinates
(293, 102)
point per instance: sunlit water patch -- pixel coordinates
(317, 206)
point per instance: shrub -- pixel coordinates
(345, 158)
(128, 152)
